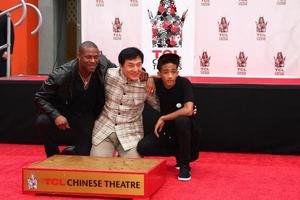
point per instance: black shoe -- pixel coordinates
(184, 173)
(177, 166)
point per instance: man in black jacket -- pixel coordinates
(3, 40)
(71, 98)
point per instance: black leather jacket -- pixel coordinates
(56, 91)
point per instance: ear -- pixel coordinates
(158, 74)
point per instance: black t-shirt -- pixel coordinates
(174, 98)
(86, 102)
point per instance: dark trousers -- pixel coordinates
(79, 134)
(175, 141)
(3, 69)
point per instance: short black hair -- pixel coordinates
(87, 44)
(168, 58)
(129, 54)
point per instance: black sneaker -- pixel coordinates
(177, 166)
(184, 173)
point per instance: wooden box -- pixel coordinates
(95, 176)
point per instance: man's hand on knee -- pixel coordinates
(61, 122)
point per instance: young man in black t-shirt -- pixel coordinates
(174, 130)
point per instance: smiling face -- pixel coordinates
(132, 68)
(88, 59)
(168, 73)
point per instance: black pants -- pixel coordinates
(3, 69)
(79, 134)
(174, 141)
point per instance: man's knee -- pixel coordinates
(141, 147)
(182, 121)
(43, 121)
(147, 146)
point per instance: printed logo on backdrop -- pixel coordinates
(243, 2)
(204, 63)
(167, 29)
(205, 3)
(261, 28)
(134, 3)
(32, 182)
(241, 61)
(281, 2)
(99, 3)
(167, 26)
(223, 28)
(117, 29)
(279, 62)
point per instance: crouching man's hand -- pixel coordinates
(158, 126)
(61, 122)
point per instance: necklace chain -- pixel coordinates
(85, 81)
